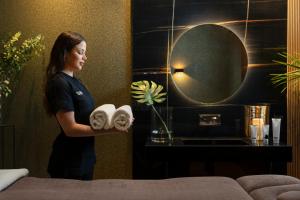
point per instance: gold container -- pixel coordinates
(256, 115)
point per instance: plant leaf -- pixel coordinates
(160, 100)
(139, 96)
(148, 93)
(137, 92)
(153, 87)
(158, 90)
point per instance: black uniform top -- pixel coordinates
(67, 93)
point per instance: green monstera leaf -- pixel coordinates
(147, 93)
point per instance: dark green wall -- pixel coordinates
(106, 26)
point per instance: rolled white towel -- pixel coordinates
(122, 118)
(9, 176)
(101, 117)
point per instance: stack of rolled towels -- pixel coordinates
(107, 116)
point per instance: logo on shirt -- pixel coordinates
(79, 93)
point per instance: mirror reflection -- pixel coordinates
(208, 63)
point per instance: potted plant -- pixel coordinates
(150, 93)
(291, 76)
(13, 57)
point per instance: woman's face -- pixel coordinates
(75, 59)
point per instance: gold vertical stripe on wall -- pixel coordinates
(293, 90)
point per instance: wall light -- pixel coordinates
(176, 70)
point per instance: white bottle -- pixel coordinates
(276, 130)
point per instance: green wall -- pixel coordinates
(106, 24)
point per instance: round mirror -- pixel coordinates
(208, 63)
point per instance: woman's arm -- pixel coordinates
(73, 129)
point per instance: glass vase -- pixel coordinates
(161, 125)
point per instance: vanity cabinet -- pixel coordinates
(218, 158)
(205, 150)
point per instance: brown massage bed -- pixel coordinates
(260, 187)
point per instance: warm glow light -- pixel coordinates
(178, 65)
(181, 78)
(259, 122)
(261, 65)
(179, 75)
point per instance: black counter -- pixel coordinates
(182, 150)
(208, 149)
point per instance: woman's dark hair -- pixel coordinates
(63, 44)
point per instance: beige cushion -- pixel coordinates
(253, 182)
(291, 195)
(274, 192)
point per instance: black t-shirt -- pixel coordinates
(67, 93)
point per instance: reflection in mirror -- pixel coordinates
(208, 63)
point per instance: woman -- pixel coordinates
(73, 154)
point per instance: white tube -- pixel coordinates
(253, 131)
(276, 130)
(265, 131)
